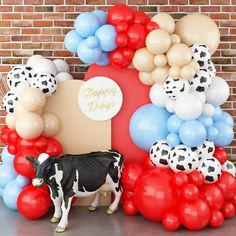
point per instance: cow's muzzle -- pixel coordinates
(37, 182)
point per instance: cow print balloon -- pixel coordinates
(229, 167)
(183, 159)
(19, 74)
(9, 101)
(201, 54)
(175, 87)
(206, 149)
(159, 153)
(45, 82)
(210, 167)
(211, 69)
(201, 81)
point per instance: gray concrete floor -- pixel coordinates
(84, 223)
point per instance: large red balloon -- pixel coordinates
(137, 36)
(33, 202)
(154, 194)
(221, 155)
(227, 183)
(233, 200)
(54, 148)
(130, 85)
(195, 215)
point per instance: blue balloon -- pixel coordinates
(92, 42)
(218, 113)
(192, 133)
(1, 191)
(87, 54)
(227, 118)
(148, 125)
(104, 60)
(173, 139)
(206, 121)
(225, 136)
(7, 174)
(102, 16)
(7, 158)
(72, 41)
(10, 195)
(107, 37)
(212, 133)
(86, 24)
(22, 181)
(174, 123)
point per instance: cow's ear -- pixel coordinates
(31, 159)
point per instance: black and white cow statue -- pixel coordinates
(83, 175)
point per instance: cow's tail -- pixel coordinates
(119, 157)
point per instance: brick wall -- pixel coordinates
(30, 27)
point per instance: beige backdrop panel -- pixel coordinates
(78, 134)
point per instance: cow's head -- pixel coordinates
(42, 167)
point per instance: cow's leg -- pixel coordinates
(57, 212)
(117, 192)
(95, 203)
(66, 204)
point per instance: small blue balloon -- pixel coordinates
(173, 139)
(92, 42)
(227, 118)
(174, 123)
(104, 60)
(10, 195)
(218, 113)
(89, 55)
(148, 125)
(102, 16)
(7, 174)
(22, 181)
(226, 134)
(86, 24)
(72, 41)
(206, 121)
(192, 133)
(7, 158)
(212, 133)
(107, 37)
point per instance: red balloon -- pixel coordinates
(213, 195)
(120, 12)
(141, 18)
(180, 179)
(129, 208)
(127, 195)
(128, 53)
(130, 175)
(12, 148)
(41, 144)
(151, 25)
(154, 194)
(33, 202)
(117, 59)
(121, 27)
(23, 166)
(54, 148)
(137, 36)
(217, 219)
(24, 144)
(4, 134)
(13, 136)
(220, 154)
(190, 192)
(227, 183)
(147, 164)
(234, 200)
(171, 221)
(228, 210)
(195, 215)
(121, 40)
(196, 178)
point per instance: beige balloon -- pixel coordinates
(159, 74)
(165, 21)
(175, 39)
(145, 78)
(29, 125)
(196, 28)
(18, 108)
(195, 66)
(187, 72)
(179, 55)
(143, 60)
(160, 60)
(158, 41)
(32, 99)
(51, 124)
(174, 72)
(11, 120)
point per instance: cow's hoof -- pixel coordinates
(60, 229)
(55, 219)
(109, 211)
(92, 208)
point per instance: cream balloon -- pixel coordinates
(179, 55)
(195, 66)
(175, 39)
(145, 78)
(143, 60)
(165, 21)
(18, 108)
(174, 72)
(196, 28)
(51, 124)
(11, 120)
(32, 99)
(29, 125)
(159, 74)
(160, 60)
(158, 41)
(33, 60)
(187, 72)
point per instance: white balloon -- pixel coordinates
(170, 105)
(188, 107)
(62, 76)
(45, 66)
(61, 65)
(208, 109)
(218, 93)
(33, 60)
(229, 167)
(199, 95)
(158, 95)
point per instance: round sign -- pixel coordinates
(100, 98)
